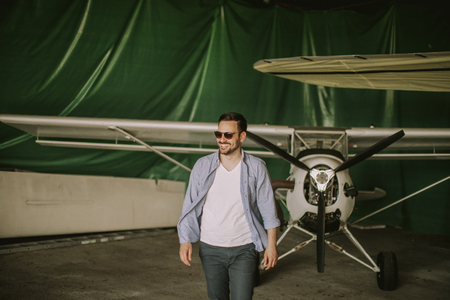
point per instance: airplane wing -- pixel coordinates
(121, 134)
(411, 72)
(197, 137)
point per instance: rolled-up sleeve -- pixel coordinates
(265, 198)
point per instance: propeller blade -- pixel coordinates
(277, 151)
(363, 155)
(320, 244)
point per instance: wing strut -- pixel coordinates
(401, 200)
(135, 139)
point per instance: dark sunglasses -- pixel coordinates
(227, 135)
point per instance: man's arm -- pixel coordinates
(265, 198)
(186, 253)
(188, 220)
(271, 253)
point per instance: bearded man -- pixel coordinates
(229, 206)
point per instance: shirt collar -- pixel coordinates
(216, 161)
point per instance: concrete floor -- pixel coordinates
(149, 268)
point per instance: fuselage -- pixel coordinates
(302, 200)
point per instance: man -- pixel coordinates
(228, 194)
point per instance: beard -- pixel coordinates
(231, 149)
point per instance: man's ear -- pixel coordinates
(243, 135)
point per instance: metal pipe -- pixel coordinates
(134, 139)
(401, 200)
(360, 248)
(341, 250)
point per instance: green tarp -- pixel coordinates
(193, 60)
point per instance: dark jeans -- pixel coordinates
(229, 269)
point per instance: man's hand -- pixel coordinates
(186, 253)
(271, 253)
(270, 257)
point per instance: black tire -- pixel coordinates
(387, 278)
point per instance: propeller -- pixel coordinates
(368, 152)
(277, 151)
(320, 243)
(323, 177)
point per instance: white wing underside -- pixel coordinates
(409, 72)
(196, 137)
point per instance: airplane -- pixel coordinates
(318, 193)
(319, 178)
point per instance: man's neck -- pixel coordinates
(229, 162)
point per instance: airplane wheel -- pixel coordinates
(387, 278)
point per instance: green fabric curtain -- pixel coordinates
(193, 60)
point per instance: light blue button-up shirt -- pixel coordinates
(256, 193)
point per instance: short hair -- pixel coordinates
(234, 116)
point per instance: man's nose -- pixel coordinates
(222, 138)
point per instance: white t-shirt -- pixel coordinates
(223, 219)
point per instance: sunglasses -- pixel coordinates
(227, 135)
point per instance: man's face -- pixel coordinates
(232, 145)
